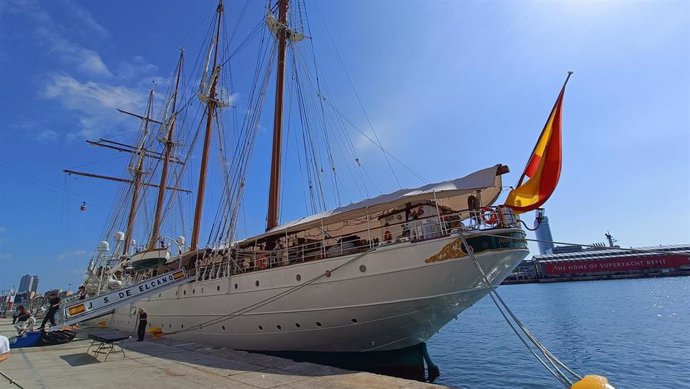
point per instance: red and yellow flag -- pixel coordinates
(544, 165)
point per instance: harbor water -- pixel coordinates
(634, 332)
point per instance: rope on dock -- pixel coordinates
(12, 381)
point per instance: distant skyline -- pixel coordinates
(450, 87)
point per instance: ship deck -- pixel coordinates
(166, 363)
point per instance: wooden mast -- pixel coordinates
(137, 173)
(210, 108)
(274, 189)
(166, 160)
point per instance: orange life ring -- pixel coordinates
(261, 263)
(489, 216)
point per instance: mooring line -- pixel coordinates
(496, 298)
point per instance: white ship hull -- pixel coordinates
(386, 299)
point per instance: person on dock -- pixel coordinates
(4, 348)
(26, 326)
(21, 315)
(54, 301)
(141, 329)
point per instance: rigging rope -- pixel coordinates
(271, 299)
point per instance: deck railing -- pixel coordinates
(220, 264)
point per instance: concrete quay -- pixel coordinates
(170, 364)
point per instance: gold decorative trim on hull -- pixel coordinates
(449, 251)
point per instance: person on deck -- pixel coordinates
(141, 329)
(82, 292)
(54, 301)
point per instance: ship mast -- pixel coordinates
(138, 172)
(274, 189)
(166, 160)
(210, 108)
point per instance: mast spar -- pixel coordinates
(210, 108)
(137, 172)
(274, 189)
(166, 160)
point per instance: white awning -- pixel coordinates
(487, 181)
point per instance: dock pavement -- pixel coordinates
(170, 364)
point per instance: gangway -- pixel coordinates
(81, 310)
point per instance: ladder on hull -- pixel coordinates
(104, 304)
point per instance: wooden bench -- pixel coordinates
(107, 343)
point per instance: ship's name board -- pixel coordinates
(114, 298)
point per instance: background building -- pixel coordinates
(543, 232)
(28, 283)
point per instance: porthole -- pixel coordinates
(362, 268)
(223, 328)
(257, 282)
(181, 325)
(169, 325)
(193, 291)
(202, 290)
(318, 324)
(159, 295)
(279, 327)
(298, 277)
(184, 292)
(261, 328)
(297, 325)
(218, 288)
(235, 286)
(354, 320)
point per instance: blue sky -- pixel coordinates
(450, 87)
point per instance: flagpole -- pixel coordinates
(560, 95)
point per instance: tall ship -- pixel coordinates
(383, 273)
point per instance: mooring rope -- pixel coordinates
(12, 381)
(554, 362)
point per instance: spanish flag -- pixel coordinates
(544, 166)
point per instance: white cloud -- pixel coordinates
(47, 136)
(86, 20)
(85, 60)
(94, 103)
(135, 69)
(81, 80)
(85, 96)
(73, 254)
